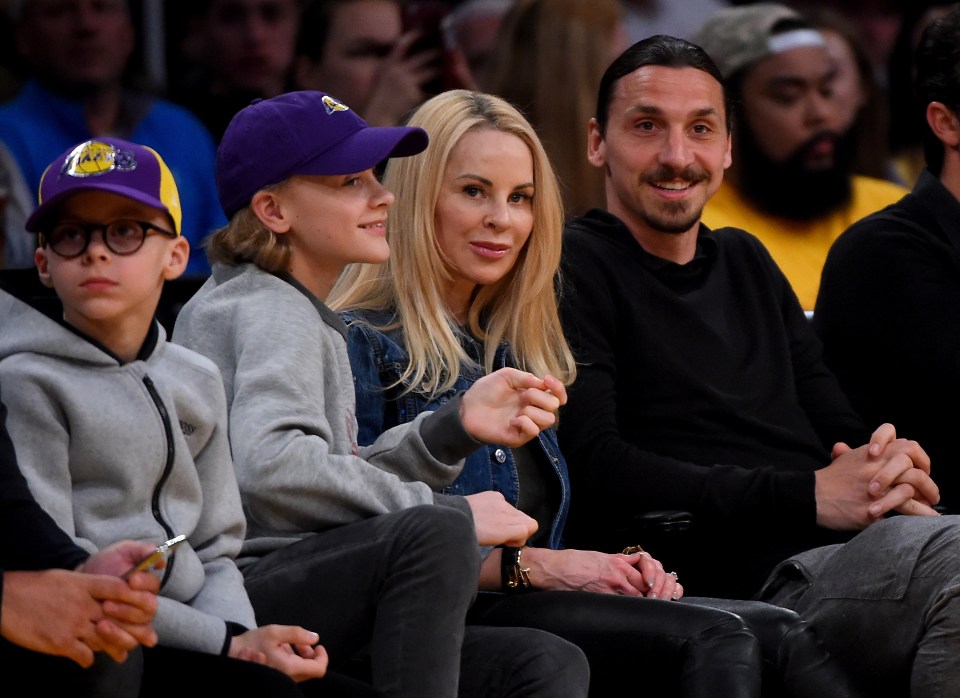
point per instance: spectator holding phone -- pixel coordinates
(361, 52)
(120, 433)
(62, 609)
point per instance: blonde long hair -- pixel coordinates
(520, 309)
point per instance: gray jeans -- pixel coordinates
(398, 586)
(885, 604)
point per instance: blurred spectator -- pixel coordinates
(547, 61)
(908, 120)
(680, 18)
(859, 97)
(16, 203)
(880, 22)
(472, 28)
(791, 183)
(78, 53)
(10, 78)
(890, 295)
(358, 51)
(235, 51)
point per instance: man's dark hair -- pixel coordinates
(938, 77)
(662, 50)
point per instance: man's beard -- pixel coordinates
(792, 189)
(673, 217)
(671, 223)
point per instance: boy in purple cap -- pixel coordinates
(295, 175)
(121, 434)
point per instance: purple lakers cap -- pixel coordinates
(301, 133)
(108, 164)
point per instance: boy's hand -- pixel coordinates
(498, 522)
(510, 406)
(291, 649)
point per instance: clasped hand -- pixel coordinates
(636, 574)
(76, 614)
(862, 485)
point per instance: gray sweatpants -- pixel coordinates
(886, 604)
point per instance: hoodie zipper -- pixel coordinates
(167, 468)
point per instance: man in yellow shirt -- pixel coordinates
(791, 183)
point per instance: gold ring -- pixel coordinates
(631, 549)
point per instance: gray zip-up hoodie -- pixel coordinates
(136, 450)
(293, 428)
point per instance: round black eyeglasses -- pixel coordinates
(121, 237)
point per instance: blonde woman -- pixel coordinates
(470, 287)
(346, 538)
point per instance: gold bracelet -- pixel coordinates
(513, 576)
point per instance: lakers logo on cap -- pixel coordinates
(96, 158)
(332, 105)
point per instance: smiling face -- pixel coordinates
(484, 212)
(331, 221)
(665, 148)
(111, 297)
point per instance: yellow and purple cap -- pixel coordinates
(108, 164)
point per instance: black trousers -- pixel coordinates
(396, 587)
(694, 647)
(638, 646)
(162, 672)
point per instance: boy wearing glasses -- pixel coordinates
(121, 434)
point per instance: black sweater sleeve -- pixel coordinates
(29, 537)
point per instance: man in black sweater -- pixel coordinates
(701, 387)
(891, 293)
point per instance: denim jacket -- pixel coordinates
(378, 359)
